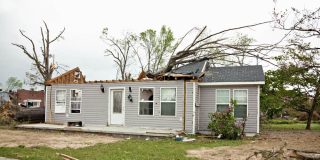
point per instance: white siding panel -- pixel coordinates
(207, 105)
(94, 107)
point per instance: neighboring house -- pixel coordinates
(181, 101)
(30, 98)
(4, 97)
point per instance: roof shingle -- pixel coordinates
(234, 74)
(194, 69)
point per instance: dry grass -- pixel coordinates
(14, 138)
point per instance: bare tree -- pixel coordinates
(43, 62)
(120, 50)
(302, 24)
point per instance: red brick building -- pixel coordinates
(31, 99)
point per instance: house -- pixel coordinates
(30, 98)
(181, 100)
(4, 97)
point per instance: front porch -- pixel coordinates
(111, 130)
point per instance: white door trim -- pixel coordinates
(123, 104)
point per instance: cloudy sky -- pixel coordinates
(84, 21)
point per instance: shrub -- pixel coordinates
(7, 113)
(225, 124)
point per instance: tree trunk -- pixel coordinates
(313, 107)
(308, 127)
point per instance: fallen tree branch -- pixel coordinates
(304, 154)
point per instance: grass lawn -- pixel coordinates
(293, 126)
(127, 149)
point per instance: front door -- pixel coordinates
(117, 106)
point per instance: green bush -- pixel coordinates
(224, 123)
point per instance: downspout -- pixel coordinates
(184, 104)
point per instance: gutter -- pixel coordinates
(230, 83)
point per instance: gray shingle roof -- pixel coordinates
(234, 74)
(193, 69)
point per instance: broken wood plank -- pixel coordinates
(66, 157)
(304, 154)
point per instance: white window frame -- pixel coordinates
(175, 109)
(70, 108)
(153, 90)
(242, 103)
(55, 100)
(33, 100)
(216, 100)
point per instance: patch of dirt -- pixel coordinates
(298, 140)
(33, 138)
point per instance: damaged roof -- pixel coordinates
(234, 74)
(195, 69)
(73, 76)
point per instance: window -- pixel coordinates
(117, 101)
(223, 100)
(146, 101)
(168, 101)
(240, 96)
(32, 103)
(75, 100)
(60, 106)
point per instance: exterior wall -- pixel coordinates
(29, 94)
(190, 106)
(208, 105)
(95, 105)
(4, 97)
(197, 108)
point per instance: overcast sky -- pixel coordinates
(84, 21)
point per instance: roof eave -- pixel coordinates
(230, 83)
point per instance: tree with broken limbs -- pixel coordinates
(44, 61)
(204, 46)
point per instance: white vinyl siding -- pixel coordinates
(96, 111)
(206, 101)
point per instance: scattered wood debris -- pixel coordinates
(283, 153)
(66, 157)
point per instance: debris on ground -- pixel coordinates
(184, 139)
(284, 153)
(268, 144)
(66, 157)
(7, 113)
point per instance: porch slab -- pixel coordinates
(112, 130)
